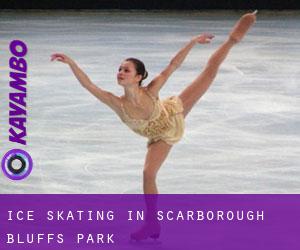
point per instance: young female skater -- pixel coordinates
(162, 121)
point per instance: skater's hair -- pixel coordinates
(139, 67)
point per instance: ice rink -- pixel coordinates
(242, 137)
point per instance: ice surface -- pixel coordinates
(242, 137)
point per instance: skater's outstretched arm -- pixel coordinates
(157, 83)
(106, 97)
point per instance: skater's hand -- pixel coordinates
(203, 38)
(61, 58)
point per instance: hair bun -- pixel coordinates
(145, 75)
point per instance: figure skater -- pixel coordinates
(161, 121)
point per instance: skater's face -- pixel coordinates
(127, 74)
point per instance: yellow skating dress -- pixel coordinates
(165, 123)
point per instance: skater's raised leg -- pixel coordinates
(198, 87)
